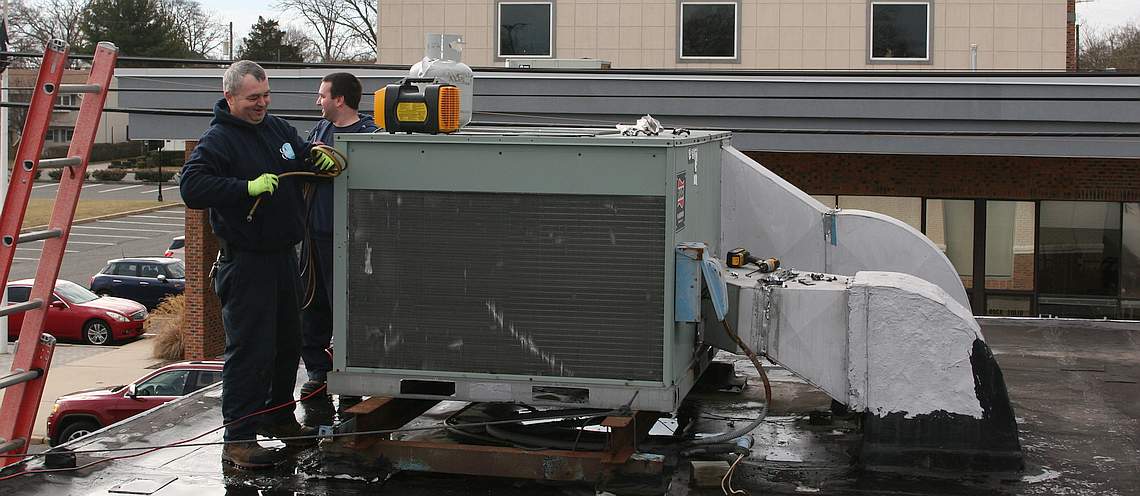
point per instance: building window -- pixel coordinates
(709, 30)
(1080, 248)
(900, 31)
(1009, 245)
(526, 29)
(950, 225)
(67, 100)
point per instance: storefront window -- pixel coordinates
(950, 225)
(1080, 249)
(1130, 254)
(1009, 245)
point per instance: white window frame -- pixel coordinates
(499, 31)
(871, 58)
(681, 57)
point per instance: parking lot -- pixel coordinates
(91, 244)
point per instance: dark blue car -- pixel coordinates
(146, 280)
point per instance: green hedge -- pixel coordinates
(109, 175)
(150, 176)
(165, 158)
(55, 174)
(100, 152)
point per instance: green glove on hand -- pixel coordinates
(265, 183)
(322, 159)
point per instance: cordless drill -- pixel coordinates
(738, 257)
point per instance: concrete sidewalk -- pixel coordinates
(115, 366)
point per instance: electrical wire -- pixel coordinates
(726, 481)
(183, 443)
(186, 443)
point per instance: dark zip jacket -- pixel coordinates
(321, 211)
(233, 152)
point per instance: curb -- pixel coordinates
(114, 215)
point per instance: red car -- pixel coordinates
(78, 314)
(77, 414)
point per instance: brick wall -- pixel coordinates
(964, 177)
(203, 334)
(1072, 44)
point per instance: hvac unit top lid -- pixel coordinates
(546, 135)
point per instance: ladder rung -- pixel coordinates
(30, 236)
(12, 445)
(79, 88)
(20, 377)
(59, 163)
(21, 307)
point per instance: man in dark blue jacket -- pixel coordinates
(237, 160)
(339, 99)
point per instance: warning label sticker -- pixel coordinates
(681, 179)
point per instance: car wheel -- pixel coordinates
(75, 430)
(96, 331)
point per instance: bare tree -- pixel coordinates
(310, 52)
(33, 23)
(341, 29)
(359, 18)
(1118, 48)
(200, 30)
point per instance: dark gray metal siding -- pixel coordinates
(1073, 116)
(543, 285)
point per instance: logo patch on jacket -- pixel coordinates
(287, 152)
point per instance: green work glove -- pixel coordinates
(322, 159)
(265, 183)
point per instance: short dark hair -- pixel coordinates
(346, 85)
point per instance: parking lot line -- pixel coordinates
(37, 249)
(155, 190)
(45, 185)
(112, 190)
(108, 236)
(25, 259)
(151, 217)
(141, 223)
(70, 241)
(117, 228)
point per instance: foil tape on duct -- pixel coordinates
(505, 283)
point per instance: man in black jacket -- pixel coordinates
(338, 96)
(237, 160)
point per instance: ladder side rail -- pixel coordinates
(27, 157)
(24, 399)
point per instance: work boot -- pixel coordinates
(309, 387)
(290, 428)
(251, 455)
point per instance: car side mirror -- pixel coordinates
(162, 278)
(132, 393)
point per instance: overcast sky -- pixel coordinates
(1096, 14)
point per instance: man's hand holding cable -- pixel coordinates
(323, 159)
(265, 183)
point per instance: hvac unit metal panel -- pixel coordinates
(532, 265)
(507, 283)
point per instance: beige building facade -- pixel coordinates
(936, 35)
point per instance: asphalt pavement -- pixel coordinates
(114, 191)
(92, 243)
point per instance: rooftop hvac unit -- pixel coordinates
(531, 265)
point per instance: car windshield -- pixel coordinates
(177, 270)
(73, 292)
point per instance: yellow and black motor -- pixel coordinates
(418, 108)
